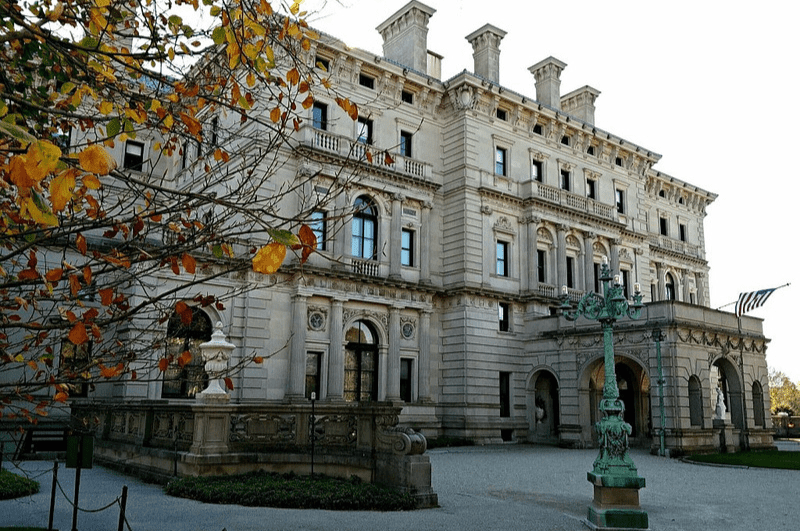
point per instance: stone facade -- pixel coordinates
(441, 268)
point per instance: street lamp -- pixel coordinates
(614, 476)
(657, 337)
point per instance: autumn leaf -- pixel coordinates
(54, 275)
(61, 188)
(96, 159)
(293, 76)
(309, 240)
(163, 364)
(185, 358)
(185, 312)
(192, 124)
(269, 258)
(275, 115)
(78, 335)
(61, 396)
(91, 181)
(106, 296)
(110, 372)
(258, 359)
(229, 383)
(80, 243)
(189, 263)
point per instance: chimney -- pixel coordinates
(580, 103)
(405, 36)
(486, 51)
(548, 81)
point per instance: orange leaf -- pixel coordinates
(74, 285)
(189, 263)
(185, 358)
(275, 115)
(163, 364)
(293, 76)
(110, 372)
(192, 124)
(96, 159)
(61, 396)
(80, 243)
(308, 102)
(87, 275)
(106, 296)
(78, 335)
(229, 383)
(33, 365)
(133, 375)
(54, 275)
(185, 312)
(269, 258)
(258, 359)
(174, 263)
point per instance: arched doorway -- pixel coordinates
(185, 375)
(634, 391)
(361, 363)
(543, 407)
(725, 377)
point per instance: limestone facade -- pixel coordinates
(441, 268)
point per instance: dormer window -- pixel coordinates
(590, 150)
(618, 161)
(537, 129)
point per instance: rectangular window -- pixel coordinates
(565, 140)
(407, 248)
(502, 115)
(682, 229)
(185, 155)
(505, 394)
(320, 116)
(322, 63)
(565, 179)
(570, 272)
(597, 287)
(500, 161)
(504, 316)
(214, 131)
(537, 173)
(407, 96)
(537, 129)
(313, 372)
(663, 226)
(591, 188)
(134, 155)
(502, 259)
(620, 198)
(319, 225)
(590, 150)
(541, 259)
(366, 81)
(364, 131)
(626, 281)
(75, 360)
(406, 375)
(405, 143)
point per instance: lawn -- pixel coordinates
(765, 459)
(14, 486)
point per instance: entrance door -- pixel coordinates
(361, 363)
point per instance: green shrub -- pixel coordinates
(14, 486)
(761, 459)
(263, 489)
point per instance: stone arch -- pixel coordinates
(633, 382)
(185, 378)
(543, 405)
(362, 361)
(725, 375)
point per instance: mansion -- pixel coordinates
(440, 269)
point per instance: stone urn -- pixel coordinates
(216, 354)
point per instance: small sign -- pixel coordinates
(80, 449)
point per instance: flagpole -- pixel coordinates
(737, 300)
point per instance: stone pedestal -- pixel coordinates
(727, 442)
(616, 503)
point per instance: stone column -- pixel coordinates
(701, 294)
(685, 280)
(424, 244)
(424, 393)
(561, 254)
(660, 278)
(533, 257)
(588, 256)
(336, 352)
(394, 238)
(393, 363)
(614, 258)
(297, 363)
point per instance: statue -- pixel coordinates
(719, 412)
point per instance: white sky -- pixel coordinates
(707, 84)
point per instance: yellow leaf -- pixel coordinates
(40, 215)
(293, 76)
(61, 188)
(251, 79)
(269, 258)
(275, 115)
(96, 159)
(105, 107)
(192, 124)
(91, 181)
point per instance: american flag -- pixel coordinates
(752, 300)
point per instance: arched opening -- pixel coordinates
(543, 407)
(361, 363)
(695, 402)
(669, 286)
(634, 391)
(725, 378)
(758, 405)
(364, 243)
(185, 375)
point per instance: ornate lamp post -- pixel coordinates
(614, 476)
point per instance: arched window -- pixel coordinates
(695, 402)
(758, 405)
(669, 285)
(185, 376)
(361, 363)
(365, 229)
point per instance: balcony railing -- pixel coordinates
(370, 268)
(558, 196)
(346, 147)
(670, 244)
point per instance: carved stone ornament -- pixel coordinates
(408, 327)
(216, 354)
(317, 318)
(503, 225)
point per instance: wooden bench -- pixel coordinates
(42, 439)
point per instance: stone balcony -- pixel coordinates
(676, 246)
